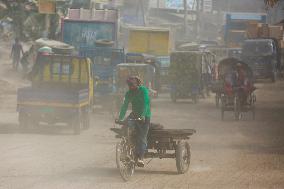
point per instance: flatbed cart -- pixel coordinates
(162, 143)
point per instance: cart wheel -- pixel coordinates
(253, 113)
(273, 77)
(76, 124)
(194, 99)
(222, 114)
(174, 97)
(217, 101)
(23, 122)
(125, 161)
(182, 157)
(237, 108)
(86, 120)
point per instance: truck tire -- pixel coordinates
(194, 98)
(237, 108)
(174, 97)
(217, 100)
(76, 124)
(86, 120)
(273, 77)
(23, 122)
(182, 157)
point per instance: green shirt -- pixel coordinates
(140, 101)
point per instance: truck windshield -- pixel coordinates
(258, 48)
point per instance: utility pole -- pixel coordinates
(185, 16)
(197, 17)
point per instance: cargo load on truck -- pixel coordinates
(154, 41)
(83, 27)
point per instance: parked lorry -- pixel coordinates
(94, 34)
(263, 56)
(86, 32)
(235, 28)
(61, 92)
(83, 27)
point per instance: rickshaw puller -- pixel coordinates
(138, 96)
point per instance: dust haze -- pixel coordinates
(60, 100)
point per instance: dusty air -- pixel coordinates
(152, 94)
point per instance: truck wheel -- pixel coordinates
(23, 122)
(273, 77)
(86, 120)
(76, 124)
(182, 157)
(237, 108)
(194, 98)
(222, 114)
(217, 101)
(174, 97)
(253, 112)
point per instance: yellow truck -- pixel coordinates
(148, 40)
(61, 92)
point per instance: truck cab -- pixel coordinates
(61, 91)
(263, 56)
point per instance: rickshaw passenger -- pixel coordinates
(244, 82)
(229, 83)
(138, 96)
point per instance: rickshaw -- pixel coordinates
(145, 72)
(236, 88)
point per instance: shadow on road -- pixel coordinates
(13, 128)
(96, 171)
(9, 128)
(155, 172)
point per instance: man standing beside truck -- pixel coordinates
(16, 51)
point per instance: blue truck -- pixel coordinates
(84, 36)
(105, 60)
(236, 26)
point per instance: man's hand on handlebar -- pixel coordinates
(118, 121)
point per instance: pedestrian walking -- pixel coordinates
(17, 50)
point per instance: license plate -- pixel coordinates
(47, 110)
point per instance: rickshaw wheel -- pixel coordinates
(174, 97)
(222, 107)
(23, 122)
(237, 108)
(273, 77)
(124, 160)
(86, 120)
(76, 124)
(194, 98)
(222, 114)
(217, 100)
(182, 157)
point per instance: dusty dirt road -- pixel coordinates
(225, 154)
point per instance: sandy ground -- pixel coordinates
(225, 154)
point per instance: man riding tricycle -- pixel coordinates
(141, 139)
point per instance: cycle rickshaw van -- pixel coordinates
(237, 92)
